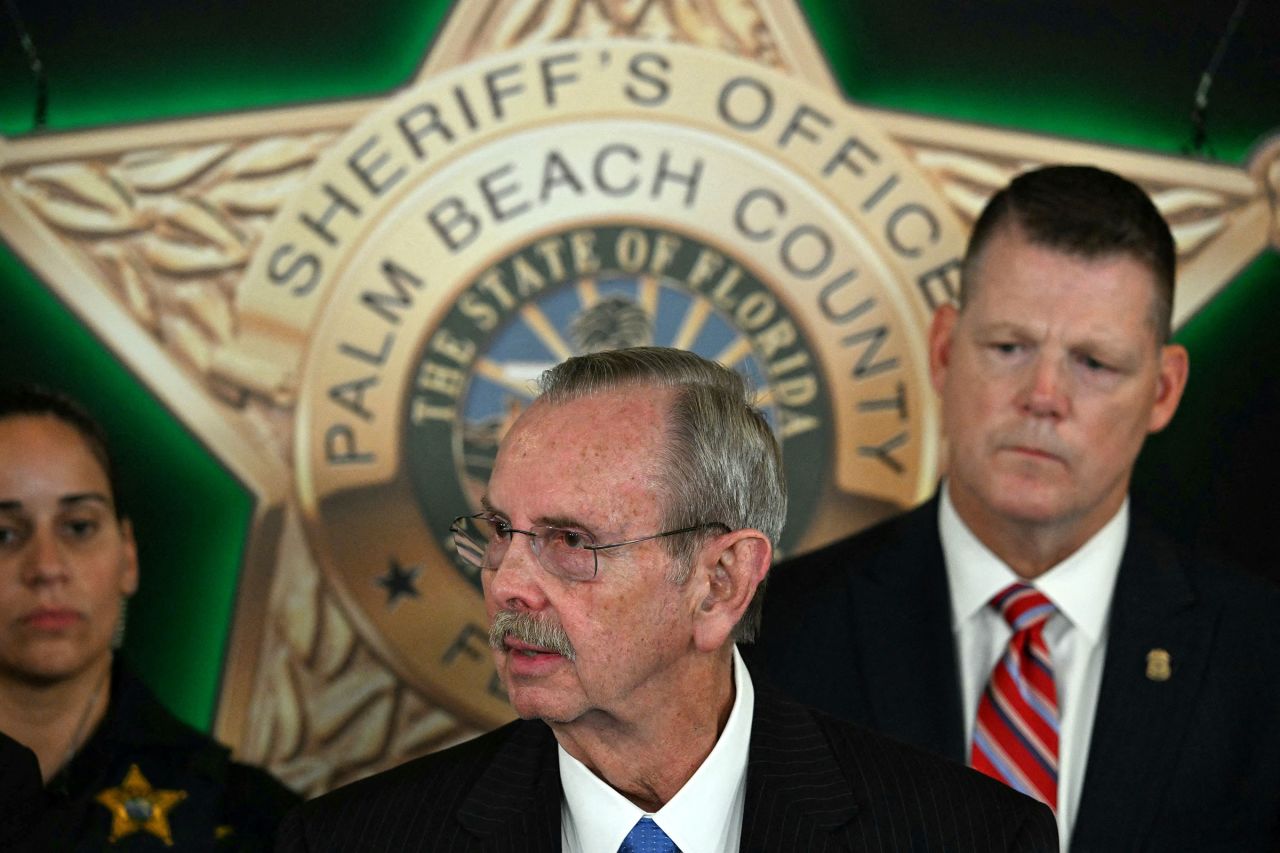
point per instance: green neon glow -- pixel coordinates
(977, 83)
(1231, 342)
(193, 517)
(344, 52)
(1249, 307)
(197, 522)
(1065, 113)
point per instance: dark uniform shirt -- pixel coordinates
(21, 796)
(147, 781)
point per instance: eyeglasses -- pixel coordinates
(482, 541)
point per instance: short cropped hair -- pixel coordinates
(721, 462)
(37, 401)
(1084, 211)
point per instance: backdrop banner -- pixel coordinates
(348, 304)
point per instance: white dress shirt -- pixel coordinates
(1081, 588)
(705, 816)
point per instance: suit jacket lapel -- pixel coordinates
(795, 788)
(902, 612)
(1141, 720)
(515, 805)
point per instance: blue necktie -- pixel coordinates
(647, 837)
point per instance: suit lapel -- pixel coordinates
(515, 805)
(795, 788)
(902, 613)
(1141, 720)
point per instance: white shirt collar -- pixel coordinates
(704, 815)
(1080, 587)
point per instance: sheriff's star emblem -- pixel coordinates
(137, 807)
(316, 290)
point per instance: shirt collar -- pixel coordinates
(1080, 587)
(701, 812)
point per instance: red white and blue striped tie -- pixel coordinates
(1015, 739)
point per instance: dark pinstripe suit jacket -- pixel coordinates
(862, 630)
(813, 784)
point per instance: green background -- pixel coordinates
(1122, 76)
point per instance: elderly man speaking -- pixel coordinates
(626, 534)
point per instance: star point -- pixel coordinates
(135, 806)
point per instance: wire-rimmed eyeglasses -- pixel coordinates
(482, 541)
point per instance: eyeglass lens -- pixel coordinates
(567, 553)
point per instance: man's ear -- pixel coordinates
(940, 333)
(732, 567)
(1171, 382)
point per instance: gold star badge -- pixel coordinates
(137, 807)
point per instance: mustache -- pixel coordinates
(532, 630)
(1037, 439)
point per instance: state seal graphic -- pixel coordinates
(350, 304)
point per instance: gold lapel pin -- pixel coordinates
(1159, 665)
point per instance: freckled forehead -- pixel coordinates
(631, 419)
(606, 445)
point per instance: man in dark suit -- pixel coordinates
(627, 529)
(1024, 620)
